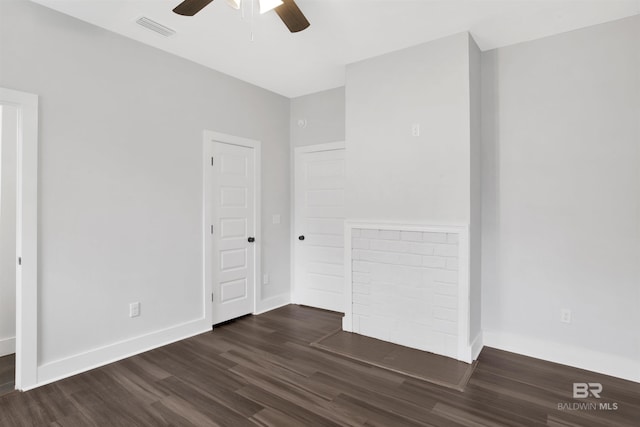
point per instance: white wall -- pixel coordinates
(433, 178)
(324, 117)
(392, 175)
(120, 203)
(8, 139)
(405, 287)
(561, 188)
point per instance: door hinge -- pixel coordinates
(19, 260)
(211, 228)
(211, 296)
(212, 161)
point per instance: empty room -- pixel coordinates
(320, 213)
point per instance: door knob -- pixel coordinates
(251, 239)
(300, 237)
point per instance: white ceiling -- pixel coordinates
(341, 32)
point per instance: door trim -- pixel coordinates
(26, 236)
(327, 146)
(208, 246)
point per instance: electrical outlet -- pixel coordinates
(134, 309)
(415, 129)
(275, 219)
(265, 279)
(565, 315)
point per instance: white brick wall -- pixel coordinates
(405, 288)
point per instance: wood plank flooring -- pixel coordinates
(262, 371)
(418, 364)
(7, 373)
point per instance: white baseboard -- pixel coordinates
(69, 366)
(476, 346)
(469, 353)
(347, 323)
(272, 303)
(7, 346)
(577, 357)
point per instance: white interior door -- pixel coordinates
(319, 226)
(233, 230)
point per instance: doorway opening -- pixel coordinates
(8, 256)
(19, 234)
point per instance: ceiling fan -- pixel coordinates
(287, 10)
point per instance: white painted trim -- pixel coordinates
(315, 148)
(207, 241)
(394, 225)
(327, 146)
(465, 351)
(582, 358)
(26, 344)
(7, 346)
(257, 294)
(476, 346)
(78, 363)
(212, 137)
(272, 303)
(347, 320)
(464, 296)
(292, 223)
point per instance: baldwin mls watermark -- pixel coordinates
(585, 391)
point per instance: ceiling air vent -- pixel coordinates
(154, 26)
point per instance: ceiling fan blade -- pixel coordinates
(191, 7)
(292, 16)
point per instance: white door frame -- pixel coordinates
(209, 248)
(26, 236)
(327, 146)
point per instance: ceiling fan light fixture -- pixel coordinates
(267, 5)
(234, 3)
(287, 10)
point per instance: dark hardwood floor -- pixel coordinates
(414, 363)
(261, 370)
(7, 373)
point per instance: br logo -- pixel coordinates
(584, 390)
